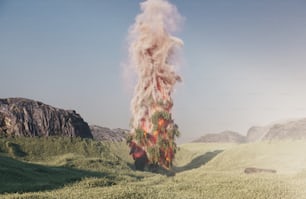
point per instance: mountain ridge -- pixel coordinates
(293, 129)
(224, 136)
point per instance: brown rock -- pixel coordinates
(25, 117)
(250, 170)
(107, 134)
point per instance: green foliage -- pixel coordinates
(129, 139)
(154, 153)
(141, 137)
(174, 132)
(163, 143)
(162, 136)
(160, 114)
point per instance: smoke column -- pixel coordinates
(152, 53)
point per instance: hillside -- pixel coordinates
(33, 164)
(223, 137)
(281, 130)
(106, 134)
(286, 157)
(292, 129)
(82, 168)
(256, 133)
(25, 117)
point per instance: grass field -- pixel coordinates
(80, 168)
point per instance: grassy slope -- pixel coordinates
(203, 171)
(193, 155)
(287, 157)
(32, 164)
(17, 176)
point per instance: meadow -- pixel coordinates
(58, 167)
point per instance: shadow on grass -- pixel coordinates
(19, 176)
(195, 163)
(198, 161)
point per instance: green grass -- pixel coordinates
(45, 168)
(33, 164)
(32, 149)
(194, 155)
(18, 176)
(287, 157)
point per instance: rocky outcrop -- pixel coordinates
(223, 137)
(294, 129)
(106, 134)
(256, 133)
(24, 117)
(289, 130)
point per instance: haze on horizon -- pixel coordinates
(243, 61)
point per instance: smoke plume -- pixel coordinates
(152, 52)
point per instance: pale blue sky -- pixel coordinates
(244, 61)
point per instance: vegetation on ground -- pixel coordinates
(57, 167)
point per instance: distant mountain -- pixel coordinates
(25, 117)
(256, 133)
(289, 130)
(225, 136)
(107, 134)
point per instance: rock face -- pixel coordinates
(256, 133)
(106, 134)
(225, 136)
(24, 117)
(289, 130)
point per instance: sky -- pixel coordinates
(243, 62)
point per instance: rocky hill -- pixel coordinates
(225, 136)
(289, 130)
(256, 133)
(25, 117)
(107, 134)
